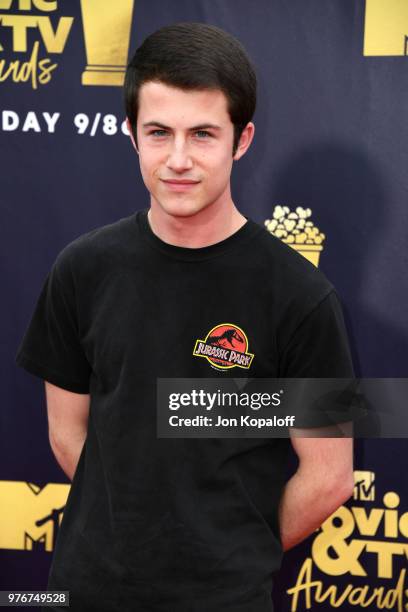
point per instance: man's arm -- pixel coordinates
(323, 482)
(67, 425)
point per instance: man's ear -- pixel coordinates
(245, 140)
(129, 127)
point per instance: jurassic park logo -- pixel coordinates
(225, 347)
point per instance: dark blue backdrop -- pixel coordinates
(331, 134)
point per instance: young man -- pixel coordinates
(182, 524)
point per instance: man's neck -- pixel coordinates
(208, 226)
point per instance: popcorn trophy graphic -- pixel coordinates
(107, 33)
(294, 229)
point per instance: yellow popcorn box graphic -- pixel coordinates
(297, 230)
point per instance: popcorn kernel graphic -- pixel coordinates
(297, 231)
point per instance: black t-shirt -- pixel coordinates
(175, 524)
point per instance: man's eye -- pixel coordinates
(202, 134)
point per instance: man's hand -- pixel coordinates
(323, 481)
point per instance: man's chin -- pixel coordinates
(181, 208)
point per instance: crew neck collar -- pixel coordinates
(246, 231)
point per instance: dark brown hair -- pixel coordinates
(190, 56)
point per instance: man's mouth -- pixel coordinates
(180, 181)
(179, 184)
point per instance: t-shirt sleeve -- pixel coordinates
(51, 346)
(319, 345)
(319, 348)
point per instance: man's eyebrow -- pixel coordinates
(202, 126)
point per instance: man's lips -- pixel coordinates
(180, 181)
(179, 184)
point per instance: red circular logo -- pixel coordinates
(227, 336)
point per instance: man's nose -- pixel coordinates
(179, 158)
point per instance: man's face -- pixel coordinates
(185, 141)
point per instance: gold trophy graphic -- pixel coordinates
(107, 33)
(296, 230)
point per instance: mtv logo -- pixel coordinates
(364, 489)
(30, 515)
(386, 27)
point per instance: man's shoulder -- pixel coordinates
(290, 272)
(296, 290)
(104, 236)
(98, 246)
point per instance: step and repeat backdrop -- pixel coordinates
(327, 173)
